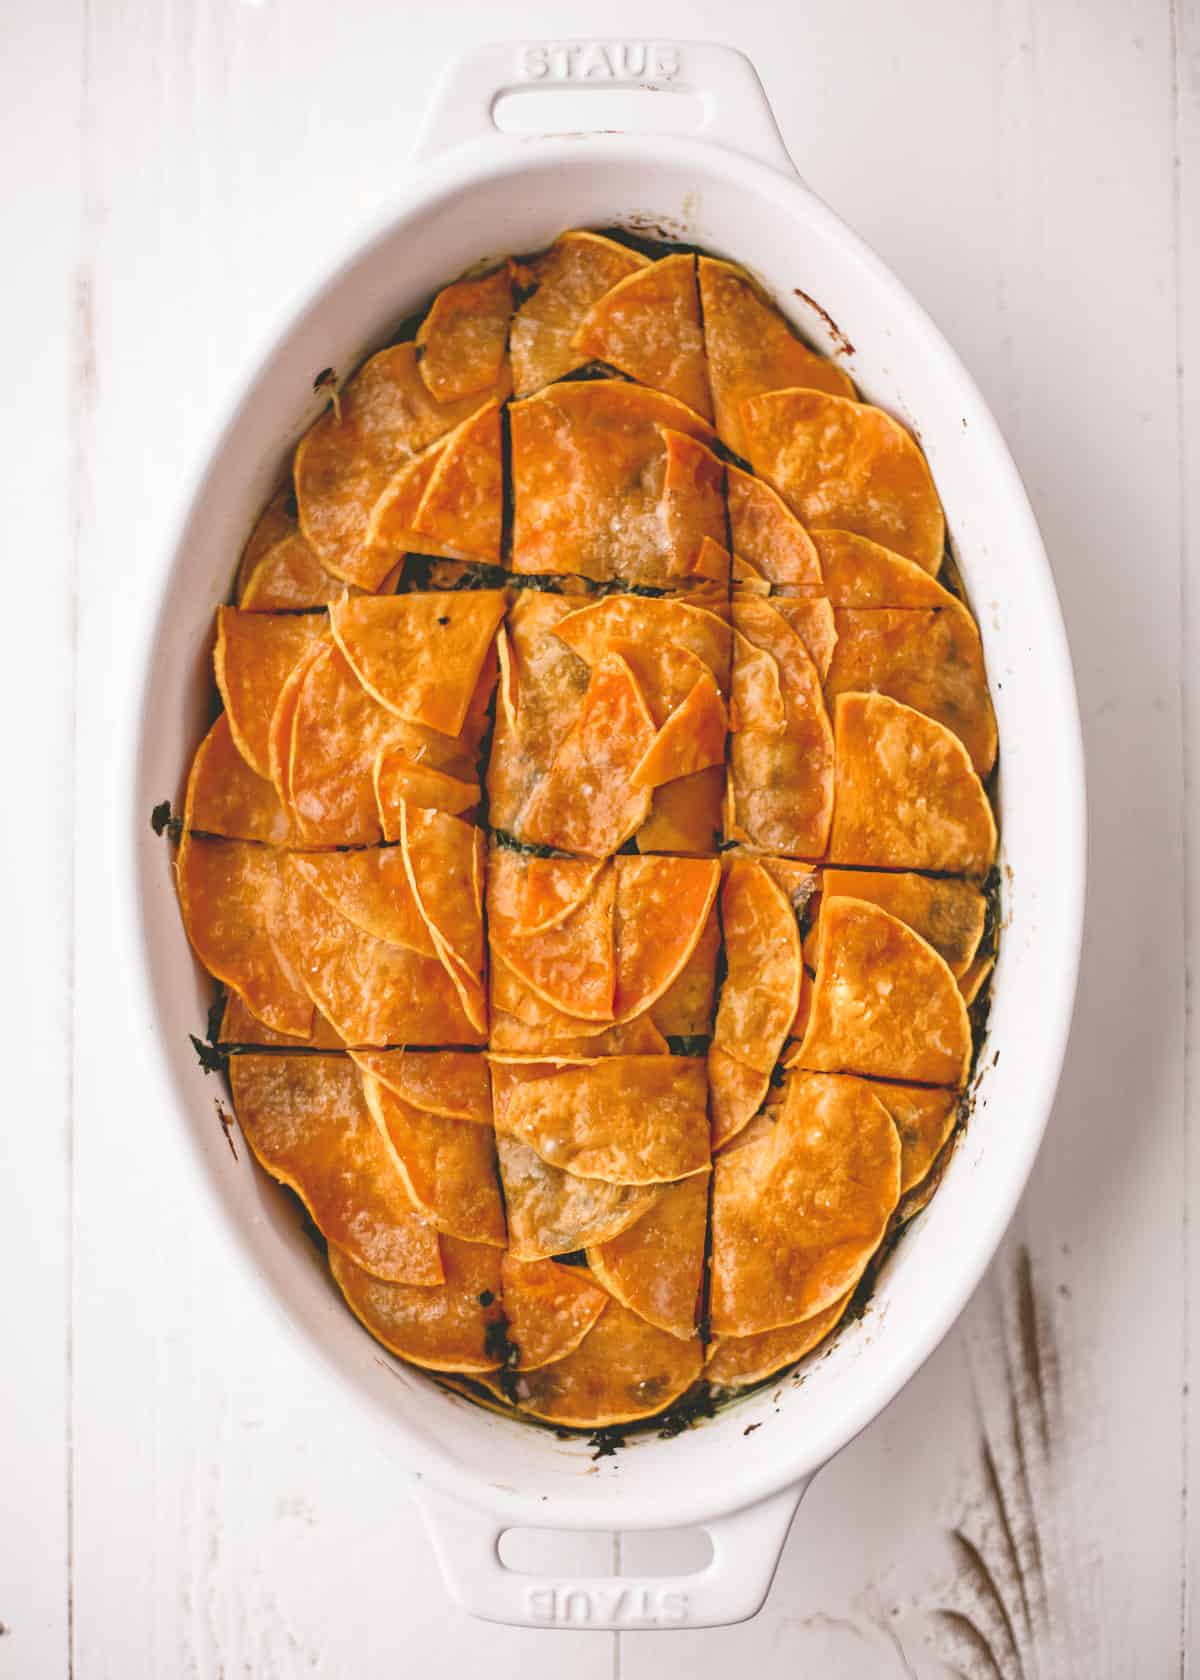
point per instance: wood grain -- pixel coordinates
(180, 1495)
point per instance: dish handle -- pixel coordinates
(746, 1547)
(736, 111)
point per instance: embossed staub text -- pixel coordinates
(625, 1606)
(599, 61)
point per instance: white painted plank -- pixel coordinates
(1186, 169)
(43, 401)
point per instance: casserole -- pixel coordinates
(733, 191)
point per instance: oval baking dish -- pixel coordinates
(731, 190)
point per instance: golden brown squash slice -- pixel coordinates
(305, 1119)
(420, 655)
(566, 281)
(226, 797)
(444, 862)
(768, 538)
(691, 739)
(447, 1328)
(550, 922)
(623, 1369)
(462, 510)
(549, 1309)
(884, 1002)
(253, 658)
(542, 685)
(686, 815)
(338, 732)
(345, 462)
(400, 781)
(451, 1082)
(799, 1209)
(781, 781)
(663, 907)
(656, 1266)
(392, 529)
(675, 640)
(859, 573)
(239, 1026)
(845, 464)
(738, 1361)
(375, 990)
(448, 1165)
(948, 914)
(924, 1119)
(648, 325)
(461, 342)
(279, 571)
(908, 796)
(621, 1119)
(586, 802)
(814, 621)
(759, 996)
(751, 348)
(231, 902)
(591, 495)
(928, 658)
(972, 982)
(553, 1212)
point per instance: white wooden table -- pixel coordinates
(176, 1497)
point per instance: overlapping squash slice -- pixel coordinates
(367, 956)
(549, 1308)
(232, 901)
(739, 1361)
(448, 500)
(420, 655)
(279, 572)
(579, 949)
(240, 1027)
(554, 1212)
(751, 348)
(948, 914)
(928, 658)
(226, 797)
(768, 540)
(759, 995)
(623, 1369)
(462, 340)
(612, 481)
(560, 287)
(884, 1003)
(847, 465)
(333, 735)
(620, 1119)
(588, 801)
(656, 1266)
(401, 780)
(799, 1208)
(924, 1118)
(346, 461)
(907, 795)
(648, 325)
(863, 574)
(254, 656)
(447, 1164)
(445, 1328)
(781, 760)
(306, 1121)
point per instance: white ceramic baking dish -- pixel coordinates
(731, 188)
